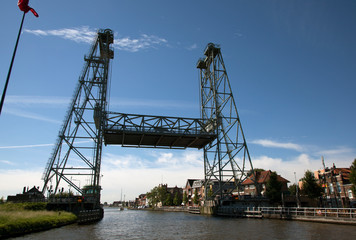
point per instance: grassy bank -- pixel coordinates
(22, 218)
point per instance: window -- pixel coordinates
(252, 186)
(338, 187)
(350, 193)
(331, 188)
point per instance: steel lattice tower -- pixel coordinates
(226, 160)
(76, 157)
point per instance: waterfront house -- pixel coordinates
(141, 201)
(190, 190)
(255, 184)
(337, 186)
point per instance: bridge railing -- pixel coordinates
(309, 212)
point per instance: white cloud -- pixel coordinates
(30, 115)
(13, 181)
(274, 144)
(136, 175)
(85, 34)
(298, 164)
(6, 162)
(192, 47)
(37, 145)
(37, 100)
(26, 146)
(337, 151)
(166, 158)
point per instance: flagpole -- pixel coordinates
(12, 61)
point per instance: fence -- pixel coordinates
(327, 215)
(342, 213)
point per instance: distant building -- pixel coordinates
(197, 186)
(32, 195)
(141, 201)
(261, 178)
(336, 185)
(173, 191)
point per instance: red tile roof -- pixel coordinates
(262, 177)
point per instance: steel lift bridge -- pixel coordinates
(76, 158)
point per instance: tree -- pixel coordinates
(177, 201)
(196, 197)
(152, 196)
(273, 188)
(293, 189)
(310, 186)
(156, 195)
(353, 177)
(255, 170)
(210, 193)
(185, 198)
(168, 201)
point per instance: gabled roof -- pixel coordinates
(262, 177)
(33, 190)
(190, 182)
(344, 172)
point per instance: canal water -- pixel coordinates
(138, 224)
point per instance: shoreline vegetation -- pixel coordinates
(17, 219)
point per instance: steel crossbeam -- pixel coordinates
(155, 131)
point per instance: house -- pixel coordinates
(141, 201)
(189, 190)
(259, 180)
(197, 186)
(337, 186)
(32, 195)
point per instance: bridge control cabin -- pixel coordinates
(157, 132)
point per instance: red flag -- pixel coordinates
(23, 5)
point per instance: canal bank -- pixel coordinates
(23, 218)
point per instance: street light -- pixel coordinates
(296, 190)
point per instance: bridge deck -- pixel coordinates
(153, 131)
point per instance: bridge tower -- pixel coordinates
(76, 157)
(227, 160)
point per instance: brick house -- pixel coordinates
(336, 185)
(189, 189)
(262, 177)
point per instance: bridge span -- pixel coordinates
(133, 130)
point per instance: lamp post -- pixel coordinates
(296, 190)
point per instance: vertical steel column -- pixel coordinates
(76, 157)
(227, 160)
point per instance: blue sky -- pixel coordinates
(291, 64)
